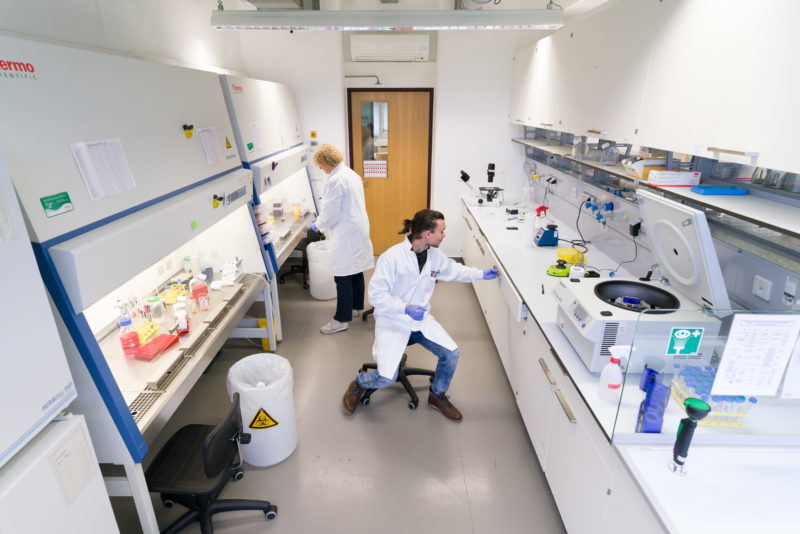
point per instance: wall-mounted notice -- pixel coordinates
(210, 144)
(375, 169)
(756, 354)
(103, 167)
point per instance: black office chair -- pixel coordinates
(402, 376)
(302, 269)
(194, 466)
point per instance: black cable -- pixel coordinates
(583, 241)
(635, 255)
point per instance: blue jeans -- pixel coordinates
(448, 359)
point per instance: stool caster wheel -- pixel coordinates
(272, 513)
(412, 405)
(365, 401)
(238, 475)
(168, 503)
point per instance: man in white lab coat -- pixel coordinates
(343, 219)
(401, 290)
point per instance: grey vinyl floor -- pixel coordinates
(385, 469)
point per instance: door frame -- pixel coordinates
(429, 90)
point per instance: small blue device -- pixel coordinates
(546, 236)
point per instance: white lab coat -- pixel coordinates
(397, 282)
(343, 218)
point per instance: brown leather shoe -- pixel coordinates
(442, 403)
(352, 397)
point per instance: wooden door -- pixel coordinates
(403, 149)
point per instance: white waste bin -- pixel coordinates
(320, 277)
(264, 383)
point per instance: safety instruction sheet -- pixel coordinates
(756, 354)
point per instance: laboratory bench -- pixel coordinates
(604, 476)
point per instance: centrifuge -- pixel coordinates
(596, 313)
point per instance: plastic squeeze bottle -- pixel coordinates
(610, 385)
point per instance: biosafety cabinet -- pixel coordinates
(137, 204)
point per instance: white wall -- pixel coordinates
(470, 123)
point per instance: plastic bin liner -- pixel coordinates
(264, 383)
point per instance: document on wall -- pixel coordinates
(209, 141)
(756, 354)
(103, 167)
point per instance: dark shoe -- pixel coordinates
(352, 397)
(442, 403)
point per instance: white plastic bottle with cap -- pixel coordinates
(610, 385)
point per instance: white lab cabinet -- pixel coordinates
(723, 75)
(54, 484)
(522, 98)
(598, 72)
(533, 382)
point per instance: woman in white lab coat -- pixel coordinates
(343, 219)
(401, 290)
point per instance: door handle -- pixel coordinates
(480, 247)
(733, 152)
(565, 406)
(547, 371)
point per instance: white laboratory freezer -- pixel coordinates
(54, 485)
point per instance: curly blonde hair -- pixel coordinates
(328, 155)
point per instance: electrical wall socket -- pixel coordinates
(574, 192)
(762, 288)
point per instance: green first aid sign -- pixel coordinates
(56, 204)
(684, 341)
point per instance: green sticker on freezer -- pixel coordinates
(56, 204)
(684, 341)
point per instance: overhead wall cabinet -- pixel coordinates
(705, 78)
(726, 77)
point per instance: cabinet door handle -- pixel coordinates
(547, 371)
(468, 224)
(734, 152)
(565, 406)
(546, 124)
(598, 132)
(558, 360)
(480, 247)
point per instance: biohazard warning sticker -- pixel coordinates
(227, 142)
(262, 420)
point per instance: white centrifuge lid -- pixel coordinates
(682, 246)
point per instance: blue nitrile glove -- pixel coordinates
(314, 226)
(489, 274)
(415, 312)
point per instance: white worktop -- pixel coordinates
(739, 484)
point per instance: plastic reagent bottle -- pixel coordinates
(610, 385)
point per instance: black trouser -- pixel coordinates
(349, 296)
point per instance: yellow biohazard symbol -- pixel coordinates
(262, 420)
(227, 143)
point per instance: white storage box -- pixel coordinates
(673, 178)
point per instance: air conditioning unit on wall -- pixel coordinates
(392, 47)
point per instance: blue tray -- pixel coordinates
(718, 190)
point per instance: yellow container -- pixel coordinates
(262, 323)
(572, 255)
